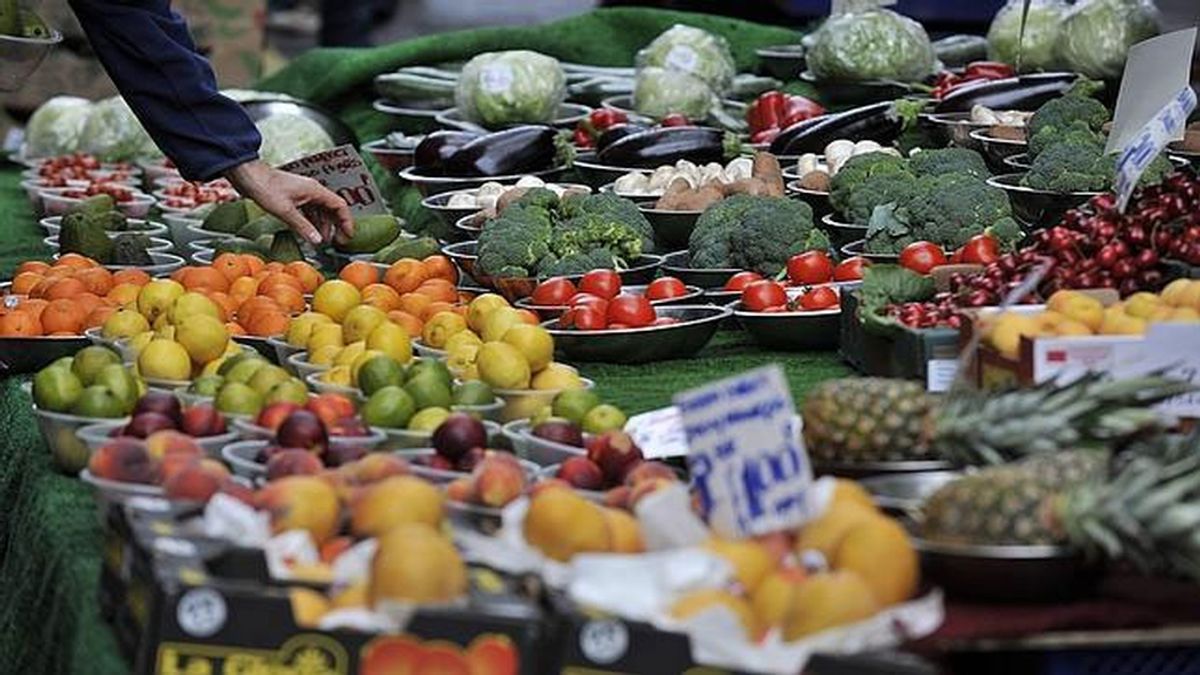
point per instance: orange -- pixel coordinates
(254, 263)
(267, 322)
(274, 267)
(234, 328)
(407, 321)
(279, 279)
(136, 277)
(33, 307)
(18, 322)
(74, 260)
(123, 294)
(308, 275)
(65, 288)
(414, 303)
(438, 290)
(86, 302)
(231, 266)
(25, 282)
(206, 279)
(227, 304)
(243, 289)
(289, 299)
(359, 273)
(36, 266)
(98, 316)
(96, 280)
(381, 296)
(440, 267)
(180, 274)
(405, 275)
(434, 308)
(258, 303)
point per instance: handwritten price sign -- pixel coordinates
(343, 171)
(747, 464)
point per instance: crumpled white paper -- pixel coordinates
(289, 548)
(232, 520)
(354, 564)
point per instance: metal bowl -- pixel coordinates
(785, 62)
(817, 200)
(671, 228)
(677, 264)
(1018, 162)
(995, 150)
(842, 94)
(450, 215)
(298, 364)
(31, 354)
(391, 159)
(242, 458)
(567, 116)
(442, 476)
(1037, 208)
(901, 494)
(22, 56)
(469, 226)
(118, 491)
(956, 128)
(859, 470)
(855, 248)
(540, 451)
(598, 175)
(1007, 574)
(432, 185)
(410, 118)
(694, 295)
(339, 132)
(841, 233)
(698, 324)
(53, 224)
(792, 331)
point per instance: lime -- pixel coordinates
(56, 388)
(244, 370)
(473, 393)
(428, 391)
(573, 404)
(389, 407)
(207, 385)
(602, 418)
(239, 399)
(428, 419)
(233, 361)
(120, 381)
(290, 390)
(89, 361)
(99, 401)
(421, 366)
(379, 372)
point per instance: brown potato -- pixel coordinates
(815, 180)
(1007, 132)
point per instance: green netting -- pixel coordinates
(49, 534)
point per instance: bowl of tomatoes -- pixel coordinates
(555, 296)
(679, 265)
(810, 268)
(790, 318)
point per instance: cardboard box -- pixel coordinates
(928, 355)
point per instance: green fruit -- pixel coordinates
(244, 370)
(422, 366)
(266, 378)
(207, 385)
(63, 362)
(239, 399)
(99, 401)
(574, 404)
(474, 392)
(291, 391)
(371, 233)
(428, 419)
(232, 361)
(429, 391)
(89, 361)
(602, 418)
(389, 407)
(380, 372)
(56, 389)
(120, 381)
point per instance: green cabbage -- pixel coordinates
(872, 45)
(658, 92)
(113, 134)
(1042, 31)
(513, 87)
(56, 126)
(689, 50)
(287, 137)
(1097, 34)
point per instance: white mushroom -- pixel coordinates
(739, 168)
(838, 152)
(632, 183)
(487, 202)
(530, 182)
(462, 200)
(807, 163)
(863, 147)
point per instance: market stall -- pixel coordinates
(449, 441)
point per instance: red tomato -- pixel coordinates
(631, 310)
(589, 300)
(741, 280)
(665, 288)
(776, 309)
(980, 250)
(665, 321)
(763, 294)
(922, 256)
(589, 318)
(617, 326)
(850, 269)
(810, 267)
(553, 291)
(675, 120)
(601, 283)
(819, 298)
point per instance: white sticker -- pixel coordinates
(343, 171)
(939, 374)
(201, 612)
(604, 641)
(748, 467)
(659, 433)
(155, 504)
(681, 57)
(496, 78)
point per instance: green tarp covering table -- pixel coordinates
(50, 534)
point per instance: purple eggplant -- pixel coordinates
(432, 152)
(877, 122)
(656, 147)
(613, 134)
(1026, 93)
(523, 149)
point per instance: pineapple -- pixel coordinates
(873, 419)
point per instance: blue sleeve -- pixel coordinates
(146, 50)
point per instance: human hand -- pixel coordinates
(282, 194)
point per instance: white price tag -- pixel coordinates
(343, 171)
(747, 464)
(1171, 347)
(659, 433)
(1149, 143)
(939, 374)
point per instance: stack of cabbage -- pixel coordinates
(497, 89)
(875, 44)
(684, 70)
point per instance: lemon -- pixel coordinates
(481, 307)
(124, 323)
(534, 343)
(335, 299)
(502, 366)
(324, 356)
(164, 360)
(462, 339)
(139, 341)
(498, 323)
(204, 337)
(360, 321)
(440, 327)
(300, 328)
(338, 375)
(326, 334)
(557, 376)
(349, 353)
(193, 304)
(165, 333)
(156, 298)
(391, 339)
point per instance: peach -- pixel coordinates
(613, 452)
(391, 654)
(772, 600)
(238, 491)
(642, 471)
(462, 490)
(197, 481)
(202, 421)
(293, 462)
(498, 481)
(548, 484)
(330, 408)
(395, 501)
(416, 563)
(302, 503)
(373, 468)
(582, 473)
(125, 460)
(646, 487)
(618, 497)
(273, 415)
(494, 654)
(169, 442)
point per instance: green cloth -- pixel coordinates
(50, 534)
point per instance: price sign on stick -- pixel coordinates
(343, 171)
(747, 463)
(1152, 106)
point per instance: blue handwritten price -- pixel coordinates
(1149, 142)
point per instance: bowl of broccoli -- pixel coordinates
(841, 233)
(1019, 162)
(859, 248)
(671, 227)
(997, 148)
(695, 328)
(1039, 207)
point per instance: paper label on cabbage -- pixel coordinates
(496, 78)
(343, 171)
(681, 57)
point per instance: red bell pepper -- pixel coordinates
(798, 109)
(988, 70)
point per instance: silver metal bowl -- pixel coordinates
(902, 493)
(817, 200)
(694, 295)
(857, 248)
(22, 56)
(956, 128)
(540, 451)
(567, 116)
(672, 228)
(842, 233)
(391, 159)
(785, 62)
(678, 265)
(31, 354)
(432, 185)
(792, 331)
(697, 325)
(995, 150)
(242, 458)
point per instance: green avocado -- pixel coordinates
(228, 217)
(96, 204)
(260, 226)
(371, 233)
(405, 247)
(284, 248)
(83, 233)
(130, 249)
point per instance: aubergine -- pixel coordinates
(523, 149)
(432, 152)
(1025, 93)
(877, 122)
(612, 134)
(656, 147)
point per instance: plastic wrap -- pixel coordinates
(113, 134)
(287, 137)
(512, 87)
(658, 92)
(1042, 31)
(56, 126)
(1097, 34)
(689, 50)
(873, 45)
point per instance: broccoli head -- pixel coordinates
(1075, 164)
(879, 189)
(1076, 132)
(513, 244)
(943, 161)
(753, 233)
(1062, 112)
(947, 210)
(578, 263)
(858, 169)
(592, 231)
(609, 207)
